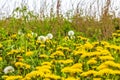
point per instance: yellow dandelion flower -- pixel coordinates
(13, 36)
(59, 48)
(105, 52)
(116, 72)
(88, 45)
(71, 70)
(71, 78)
(95, 43)
(92, 61)
(82, 38)
(4, 76)
(66, 38)
(112, 64)
(13, 52)
(45, 70)
(20, 58)
(38, 41)
(46, 79)
(97, 79)
(65, 61)
(103, 58)
(75, 70)
(68, 61)
(88, 73)
(118, 31)
(99, 48)
(0, 58)
(114, 34)
(22, 65)
(43, 67)
(66, 69)
(42, 45)
(102, 66)
(105, 43)
(29, 53)
(58, 53)
(78, 52)
(1, 45)
(29, 35)
(105, 71)
(43, 56)
(46, 63)
(52, 76)
(13, 77)
(66, 49)
(34, 74)
(27, 66)
(77, 65)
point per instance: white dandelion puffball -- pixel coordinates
(71, 33)
(8, 69)
(42, 38)
(49, 36)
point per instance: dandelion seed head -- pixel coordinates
(71, 33)
(8, 69)
(42, 38)
(49, 36)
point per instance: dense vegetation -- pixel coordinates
(54, 47)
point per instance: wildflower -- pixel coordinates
(71, 78)
(29, 53)
(29, 35)
(42, 38)
(106, 58)
(22, 65)
(118, 31)
(105, 71)
(104, 43)
(43, 56)
(71, 70)
(13, 52)
(92, 61)
(46, 63)
(114, 34)
(97, 79)
(88, 46)
(88, 73)
(52, 76)
(14, 36)
(49, 36)
(43, 67)
(71, 33)
(76, 53)
(57, 53)
(42, 45)
(13, 77)
(102, 66)
(20, 58)
(1, 45)
(0, 58)
(116, 72)
(33, 74)
(8, 69)
(77, 65)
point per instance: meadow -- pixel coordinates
(54, 47)
(27, 56)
